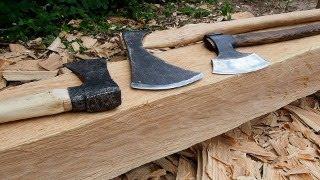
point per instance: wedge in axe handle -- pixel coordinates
(97, 93)
(230, 61)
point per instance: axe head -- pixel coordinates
(150, 72)
(98, 91)
(230, 61)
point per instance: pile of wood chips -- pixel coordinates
(281, 145)
(33, 61)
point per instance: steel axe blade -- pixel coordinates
(230, 61)
(150, 72)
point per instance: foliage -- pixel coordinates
(226, 9)
(23, 19)
(194, 12)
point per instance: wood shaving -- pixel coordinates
(274, 147)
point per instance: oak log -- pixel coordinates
(153, 124)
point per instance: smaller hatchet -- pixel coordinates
(97, 93)
(230, 61)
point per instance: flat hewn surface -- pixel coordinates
(149, 124)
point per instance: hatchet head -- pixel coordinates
(98, 91)
(149, 71)
(230, 61)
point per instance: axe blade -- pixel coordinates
(230, 61)
(150, 72)
(245, 64)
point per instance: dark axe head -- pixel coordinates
(230, 61)
(98, 91)
(149, 71)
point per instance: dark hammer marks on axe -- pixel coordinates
(230, 61)
(150, 72)
(97, 93)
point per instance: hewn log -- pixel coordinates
(153, 124)
(149, 124)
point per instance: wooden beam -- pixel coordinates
(153, 124)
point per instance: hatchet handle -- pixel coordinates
(45, 103)
(258, 38)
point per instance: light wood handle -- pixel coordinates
(257, 38)
(35, 105)
(195, 32)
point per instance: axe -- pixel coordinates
(230, 61)
(97, 93)
(150, 72)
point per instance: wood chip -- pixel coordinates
(167, 165)
(88, 42)
(313, 167)
(3, 82)
(280, 145)
(309, 117)
(28, 75)
(75, 46)
(270, 173)
(53, 62)
(25, 65)
(18, 48)
(297, 170)
(13, 56)
(4, 64)
(298, 126)
(186, 169)
(145, 172)
(255, 149)
(56, 45)
(300, 177)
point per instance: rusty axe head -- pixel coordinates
(150, 72)
(98, 91)
(230, 61)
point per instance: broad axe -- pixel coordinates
(97, 93)
(230, 61)
(150, 72)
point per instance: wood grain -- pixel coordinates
(194, 32)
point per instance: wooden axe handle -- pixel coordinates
(257, 38)
(35, 105)
(195, 32)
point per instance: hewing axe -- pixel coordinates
(150, 72)
(230, 61)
